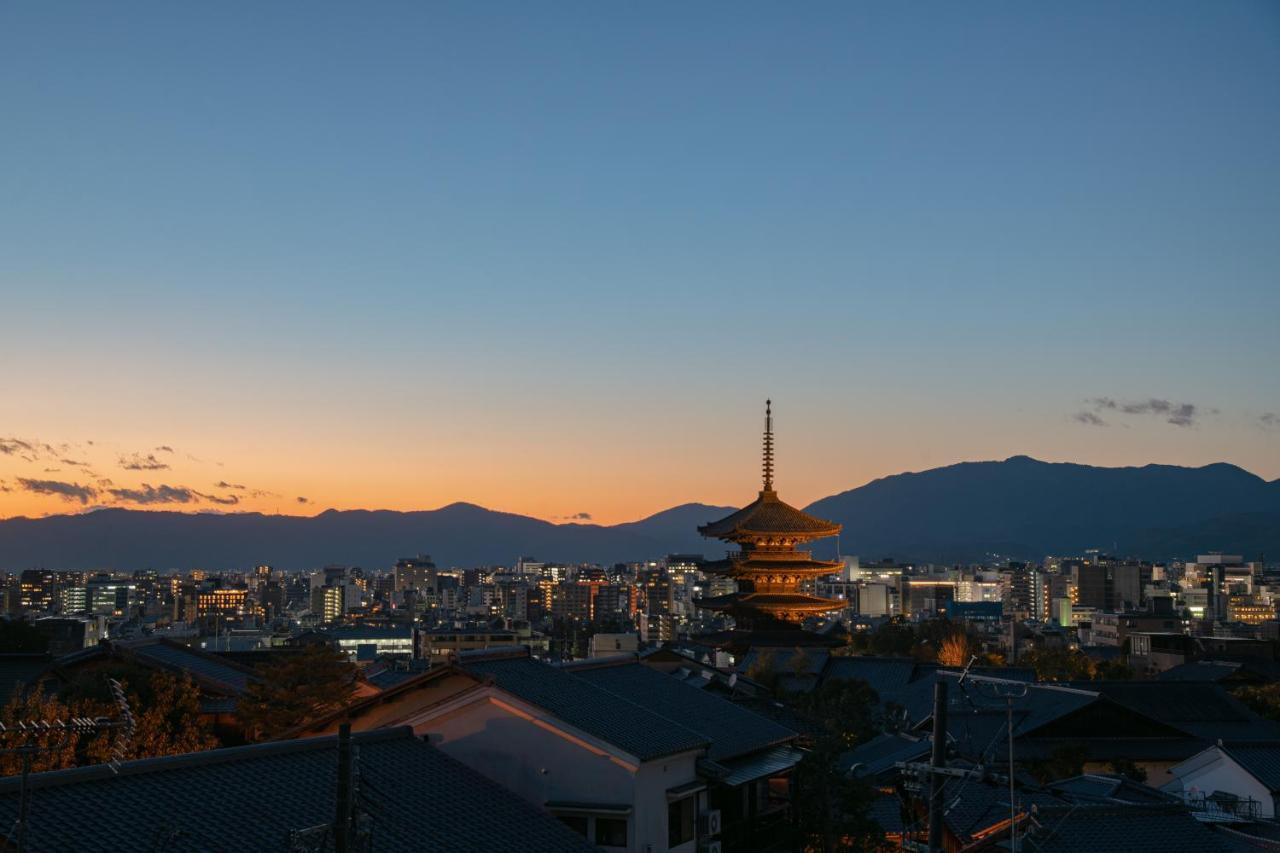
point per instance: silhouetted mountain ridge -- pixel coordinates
(1019, 507)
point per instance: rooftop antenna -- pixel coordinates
(768, 445)
(30, 732)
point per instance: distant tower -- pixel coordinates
(768, 568)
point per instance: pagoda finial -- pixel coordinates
(768, 445)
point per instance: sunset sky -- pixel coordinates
(551, 258)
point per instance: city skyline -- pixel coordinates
(551, 263)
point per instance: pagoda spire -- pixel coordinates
(768, 445)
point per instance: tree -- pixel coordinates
(1130, 770)
(764, 670)
(1263, 700)
(1063, 762)
(296, 689)
(1112, 670)
(799, 662)
(1059, 664)
(166, 712)
(833, 810)
(55, 750)
(956, 650)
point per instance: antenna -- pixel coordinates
(30, 733)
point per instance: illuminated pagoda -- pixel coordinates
(768, 568)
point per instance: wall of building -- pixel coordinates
(1217, 772)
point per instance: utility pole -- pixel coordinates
(937, 762)
(342, 816)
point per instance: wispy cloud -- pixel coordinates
(1178, 414)
(1088, 418)
(149, 494)
(58, 488)
(16, 447)
(300, 499)
(164, 448)
(223, 484)
(138, 462)
(225, 500)
(1269, 420)
(74, 463)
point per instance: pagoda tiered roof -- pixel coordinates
(769, 515)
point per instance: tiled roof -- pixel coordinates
(1262, 760)
(980, 806)
(1206, 711)
(388, 678)
(580, 703)
(748, 768)
(200, 666)
(731, 729)
(1199, 671)
(208, 670)
(251, 798)
(768, 514)
(1131, 828)
(1107, 787)
(883, 752)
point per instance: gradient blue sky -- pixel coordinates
(551, 257)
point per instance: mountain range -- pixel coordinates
(1019, 508)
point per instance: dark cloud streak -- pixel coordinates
(57, 488)
(138, 462)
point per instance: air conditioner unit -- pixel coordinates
(709, 822)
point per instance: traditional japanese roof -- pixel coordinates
(768, 514)
(1108, 787)
(1206, 711)
(211, 672)
(612, 718)
(882, 753)
(731, 729)
(253, 797)
(1132, 828)
(1262, 760)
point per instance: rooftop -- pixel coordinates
(577, 701)
(253, 797)
(731, 729)
(769, 514)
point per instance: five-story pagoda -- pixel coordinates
(768, 568)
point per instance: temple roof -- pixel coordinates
(768, 514)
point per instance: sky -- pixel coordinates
(552, 258)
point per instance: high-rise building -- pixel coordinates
(414, 573)
(38, 589)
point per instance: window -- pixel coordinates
(611, 832)
(576, 823)
(681, 821)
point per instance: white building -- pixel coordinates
(1249, 771)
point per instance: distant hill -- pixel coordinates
(456, 535)
(1025, 508)
(1021, 508)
